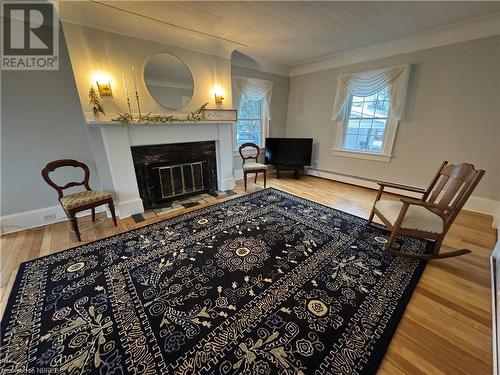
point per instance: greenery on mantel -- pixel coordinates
(129, 120)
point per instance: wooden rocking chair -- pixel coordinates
(432, 215)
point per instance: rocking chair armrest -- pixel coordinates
(430, 206)
(414, 189)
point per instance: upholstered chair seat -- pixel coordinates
(416, 218)
(254, 166)
(83, 198)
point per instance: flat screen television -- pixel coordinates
(289, 151)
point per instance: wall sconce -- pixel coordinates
(218, 94)
(103, 82)
(104, 89)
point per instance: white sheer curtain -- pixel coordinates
(255, 89)
(369, 83)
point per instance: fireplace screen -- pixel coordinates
(181, 179)
(168, 172)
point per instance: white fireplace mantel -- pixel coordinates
(111, 145)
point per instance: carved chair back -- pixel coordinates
(52, 166)
(252, 145)
(451, 187)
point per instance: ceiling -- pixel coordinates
(285, 32)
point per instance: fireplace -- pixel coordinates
(113, 144)
(166, 172)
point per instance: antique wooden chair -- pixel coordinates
(254, 167)
(431, 216)
(81, 201)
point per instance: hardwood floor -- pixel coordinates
(446, 328)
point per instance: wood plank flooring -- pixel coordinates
(446, 328)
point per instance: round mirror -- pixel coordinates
(169, 81)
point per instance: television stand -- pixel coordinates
(295, 169)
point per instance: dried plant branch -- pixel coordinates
(128, 119)
(95, 102)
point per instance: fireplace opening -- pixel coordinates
(173, 171)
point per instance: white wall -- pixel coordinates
(453, 113)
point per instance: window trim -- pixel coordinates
(387, 143)
(362, 155)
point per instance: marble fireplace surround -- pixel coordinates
(111, 144)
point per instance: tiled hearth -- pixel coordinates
(181, 204)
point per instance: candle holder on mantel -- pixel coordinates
(136, 94)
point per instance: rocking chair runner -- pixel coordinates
(432, 215)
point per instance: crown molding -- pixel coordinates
(456, 33)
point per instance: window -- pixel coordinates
(249, 126)
(367, 122)
(366, 125)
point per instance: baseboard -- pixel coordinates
(128, 208)
(227, 184)
(37, 218)
(485, 206)
(238, 174)
(494, 305)
(496, 220)
(476, 204)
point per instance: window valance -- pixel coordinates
(369, 83)
(255, 89)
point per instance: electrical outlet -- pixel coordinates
(49, 217)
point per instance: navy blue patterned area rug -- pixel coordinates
(267, 283)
